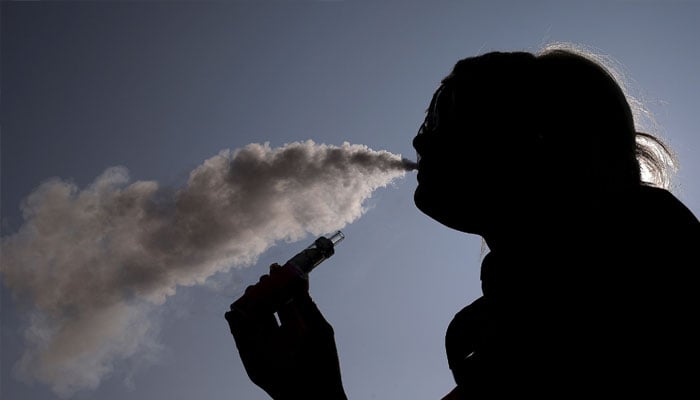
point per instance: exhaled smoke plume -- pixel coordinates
(91, 262)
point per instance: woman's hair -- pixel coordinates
(657, 160)
(563, 98)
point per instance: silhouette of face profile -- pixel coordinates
(460, 167)
(470, 162)
(439, 193)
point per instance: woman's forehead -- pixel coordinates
(440, 104)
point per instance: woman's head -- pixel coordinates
(514, 133)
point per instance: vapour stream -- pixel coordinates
(92, 263)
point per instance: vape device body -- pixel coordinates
(320, 250)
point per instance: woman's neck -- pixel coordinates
(565, 231)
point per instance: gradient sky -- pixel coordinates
(158, 87)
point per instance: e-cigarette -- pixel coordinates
(278, 291)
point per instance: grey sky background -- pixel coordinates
(158, 87)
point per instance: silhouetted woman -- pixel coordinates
(588, 285)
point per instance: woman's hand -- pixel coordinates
(295, 358)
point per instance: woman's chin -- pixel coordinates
(446, 209)
(422, 199)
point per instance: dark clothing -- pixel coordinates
(612, 311)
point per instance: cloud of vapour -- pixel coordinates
(92, 262)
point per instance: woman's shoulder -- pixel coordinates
(659, 200)
(661, 207)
